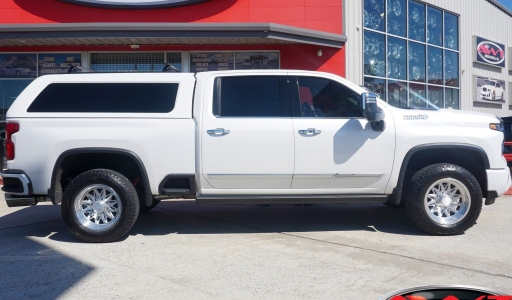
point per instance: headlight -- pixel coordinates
(496, 126)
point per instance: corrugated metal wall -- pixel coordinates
(477, 17)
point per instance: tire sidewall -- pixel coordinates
(113, 180)
(445, 171)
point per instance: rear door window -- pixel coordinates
(251, 96)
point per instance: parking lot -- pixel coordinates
(183, 250)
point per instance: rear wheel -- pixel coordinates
(100, 206)
(444, 199)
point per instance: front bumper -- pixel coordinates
(498, 180)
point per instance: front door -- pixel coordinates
(336, 149)
(247, 135)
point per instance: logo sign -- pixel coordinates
(489, 52)
(448, 292)
(134, 4)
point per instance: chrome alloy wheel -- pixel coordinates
(447, 201)
(98, 207)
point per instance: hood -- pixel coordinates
(467, 116)
(444, 115)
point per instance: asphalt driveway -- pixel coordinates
(181, 250)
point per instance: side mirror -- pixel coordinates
(372, 112)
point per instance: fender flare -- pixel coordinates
(396, 195)
(56, 169)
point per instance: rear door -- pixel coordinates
(247, 136)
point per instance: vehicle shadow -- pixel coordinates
(185, 217)
(188, 218)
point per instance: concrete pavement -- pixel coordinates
(183, 250)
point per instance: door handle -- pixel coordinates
(310, 131)
(217, 131)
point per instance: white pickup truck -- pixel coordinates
(109, 146)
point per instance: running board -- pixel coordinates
(176, 192)
(291, 199)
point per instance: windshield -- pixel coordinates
(488, 82)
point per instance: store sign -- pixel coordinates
(58, 63)
(256, 60)
(489, 52)
(134, 4)
(211, 61)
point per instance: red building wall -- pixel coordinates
(322, 15)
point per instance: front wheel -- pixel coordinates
(444, 199)
(100, 206)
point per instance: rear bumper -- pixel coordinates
(16, 183)
(498, 180)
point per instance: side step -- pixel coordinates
(291, 199)
(176, 192)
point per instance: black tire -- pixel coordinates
(421, 183)
(125, 194)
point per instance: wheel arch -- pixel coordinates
(471, 157)
(55, 192)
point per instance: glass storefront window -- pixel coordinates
(451, 68)
(416, 57)
(434, 26)
(397, 93)
(416, 21)
(435, 65)
(127, 62)
(374, 14)
(376, 85)
(435, 96)
(417, 93)
(397, 17)
(452, 98)
(374, 50)
(451, 31)
(396, 63)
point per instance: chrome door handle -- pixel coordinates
(217, 131)
(310, 131)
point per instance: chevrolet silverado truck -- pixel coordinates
(107, 147)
